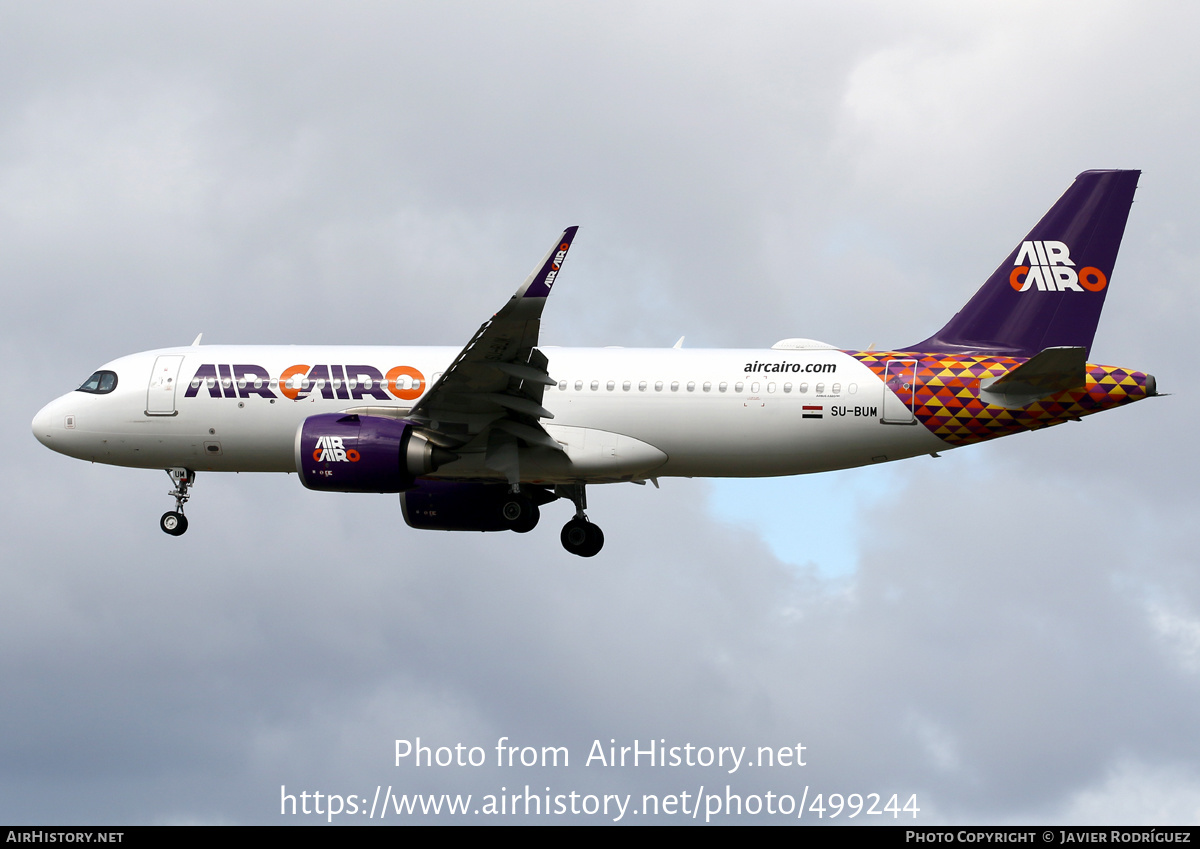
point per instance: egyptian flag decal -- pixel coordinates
(813, 412)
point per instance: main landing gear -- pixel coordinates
(520, 512)
(174, 522)
(579, 536)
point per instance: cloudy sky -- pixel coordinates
(1010, 632)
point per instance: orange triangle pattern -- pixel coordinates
(946, 398)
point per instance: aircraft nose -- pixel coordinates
(44, 425)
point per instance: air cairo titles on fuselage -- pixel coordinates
(357, 382)
(334, 382)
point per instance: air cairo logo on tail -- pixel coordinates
(329, 449)
(1047, 267)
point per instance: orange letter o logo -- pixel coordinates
(405, 394)
(1019, 271)
(1092, 278)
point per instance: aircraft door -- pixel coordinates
(901, 378)
(160, 396)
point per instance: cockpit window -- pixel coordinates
(100, 383)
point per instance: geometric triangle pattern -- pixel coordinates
(946, 394)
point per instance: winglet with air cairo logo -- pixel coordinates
(539, 283)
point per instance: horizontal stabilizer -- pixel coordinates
(1052, 371)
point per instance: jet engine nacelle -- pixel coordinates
(336, 452)
(436, 505)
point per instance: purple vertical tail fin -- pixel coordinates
(1050, 290)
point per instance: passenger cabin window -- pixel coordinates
(579, 386)
(562, 386)
(625, 386)
(658, 386)
(642, 386)
(100, 383)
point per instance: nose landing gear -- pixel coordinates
(174, 522)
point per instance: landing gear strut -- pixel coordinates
(579, 536)
(174, 522)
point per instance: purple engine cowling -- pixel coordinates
(437, 505)
(351, 453)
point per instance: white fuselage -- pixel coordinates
(619, 413)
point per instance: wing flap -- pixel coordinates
(532, 434)
(523, 372)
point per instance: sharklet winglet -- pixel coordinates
(540, 281)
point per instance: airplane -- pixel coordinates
(481, 438)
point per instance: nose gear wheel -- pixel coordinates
(174, 522)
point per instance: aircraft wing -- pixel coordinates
(492, 393)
